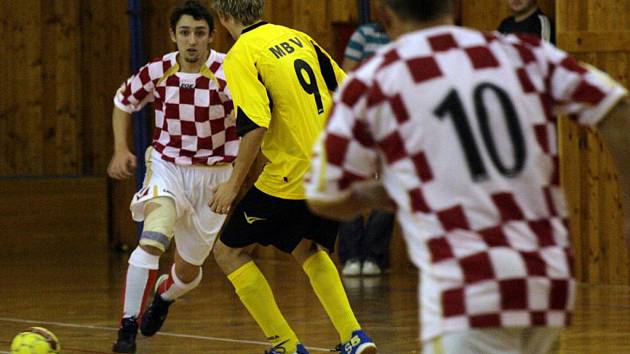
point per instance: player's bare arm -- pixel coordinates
(226, 193)
(614, 129)
(123, 162)
(254, 172)
(364, 197)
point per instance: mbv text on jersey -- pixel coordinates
(284, 48)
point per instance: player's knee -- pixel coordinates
(304, 250)
(225, 255)
(219, 251)
(143, 259)
(190, 275)
(152, 250)
(154, 242)
(159, 220)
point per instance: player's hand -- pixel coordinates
(122, 165)
(373, 195)
(224, 195)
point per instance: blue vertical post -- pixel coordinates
(140, 121)
(364, 11)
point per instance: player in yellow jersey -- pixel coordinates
(281, 86)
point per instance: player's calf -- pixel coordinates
(154, 317)
(168, 288)
(140, 278)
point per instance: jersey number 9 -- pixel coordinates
(309, 86)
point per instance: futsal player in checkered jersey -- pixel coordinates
(460, 126)
(284, 93)
(194, 145)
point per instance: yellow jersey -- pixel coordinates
(282, 80)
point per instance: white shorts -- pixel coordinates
(191, 187)
(518, 340)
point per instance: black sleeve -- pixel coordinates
(327, 69)
(503, 26)
(268, 94)
(244, 125)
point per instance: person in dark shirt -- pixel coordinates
(528, 19)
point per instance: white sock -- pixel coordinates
(173, 288)
(141, 275)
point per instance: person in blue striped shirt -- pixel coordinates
(364, 42)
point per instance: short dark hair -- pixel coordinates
(420, 10)
(194, 9)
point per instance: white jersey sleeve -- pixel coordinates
(579, 89)
(139, 89)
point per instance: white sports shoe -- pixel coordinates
(352, 268)
(371, 269)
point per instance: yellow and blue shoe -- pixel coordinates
(359, 343)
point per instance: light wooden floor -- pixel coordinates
(75, 292)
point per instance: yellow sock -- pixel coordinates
(252, 287)
(325, 280)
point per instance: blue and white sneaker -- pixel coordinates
(279, 349)
(359, 343)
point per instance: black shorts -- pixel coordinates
(267, 220)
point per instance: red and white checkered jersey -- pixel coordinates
(193, 120)
(460, 127)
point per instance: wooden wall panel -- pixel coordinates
(313, 20)
(484, 15)
(342, 11)
(104, 65)
(24, 91)
(50, 124)
(62, 19)
(595, 31)
(41, 114)
(593, 15)
(156, 26)
(5, 102)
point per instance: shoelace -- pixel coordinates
(278, 349)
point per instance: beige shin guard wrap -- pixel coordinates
(159, 220)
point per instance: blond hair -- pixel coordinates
(245, 11)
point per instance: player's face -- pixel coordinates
(193, 38)
(521, 6)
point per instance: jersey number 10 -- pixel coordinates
(453, 107)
